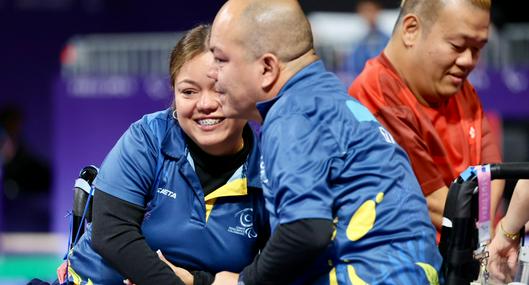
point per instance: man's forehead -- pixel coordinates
(221, 37)
(216, 41)
(219, 30)
(228, 14)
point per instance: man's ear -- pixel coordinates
(270, 70)
(411, 27)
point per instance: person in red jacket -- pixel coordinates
(418, 89)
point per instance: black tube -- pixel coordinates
(81, 197)
(510, 170)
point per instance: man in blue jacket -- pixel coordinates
(344, 204)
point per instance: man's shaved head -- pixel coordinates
(273, 26)
(428, 10)
(257, 45)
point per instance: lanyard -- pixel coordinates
(484, 203)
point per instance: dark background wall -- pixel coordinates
(33, 32)
(32, 35)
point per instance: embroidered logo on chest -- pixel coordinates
(167, 192)
(472, 132)
(245, 224)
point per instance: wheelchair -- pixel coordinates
(82, 202)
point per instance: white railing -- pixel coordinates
(335, 37)
(515, 39)
(110, 54)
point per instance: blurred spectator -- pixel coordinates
(26, 177)
(7, 149)
(373, 42)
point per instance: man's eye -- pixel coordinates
(458, 47)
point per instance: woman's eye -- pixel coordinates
(188, 92)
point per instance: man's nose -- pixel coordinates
(208, 102)
(467, 59)
(213, 72)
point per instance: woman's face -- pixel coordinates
(199, 110)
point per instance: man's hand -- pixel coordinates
(436, 205)
(226, 278)
(437, 200)
(183, 274)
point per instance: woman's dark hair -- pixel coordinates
(193, 43)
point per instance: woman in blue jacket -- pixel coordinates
(184, 181)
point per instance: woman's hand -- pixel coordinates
(61, 273)
(503, 256)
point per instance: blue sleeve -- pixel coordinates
(128, 170)
(297, 157)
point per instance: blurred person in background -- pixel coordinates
(184, 181)
(374, 40)
(418, 89)
(26, 176)
(503, 249)
(7, 149)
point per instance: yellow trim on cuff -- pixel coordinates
(76, 278)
